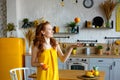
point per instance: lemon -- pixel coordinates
(96, 73)
(74, 51)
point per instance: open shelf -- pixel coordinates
(97, 24)
(100, 28)
(65, 33)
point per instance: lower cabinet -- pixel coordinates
(28, 61)
(61, 65)
(116, 74)
(111, 66)
(104, 65)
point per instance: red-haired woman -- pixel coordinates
(45, 52)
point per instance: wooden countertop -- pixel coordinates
(90, 56)
(73, 75)
(94, 56)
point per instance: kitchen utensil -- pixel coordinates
(108, 46)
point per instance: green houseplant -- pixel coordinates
(72, 27)
(10, 27)
(100, 49)
(10, 30)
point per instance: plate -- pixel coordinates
(98, 21)
(86, 77)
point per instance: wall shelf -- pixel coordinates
(96, 24)
(65, 33)
(99, 28)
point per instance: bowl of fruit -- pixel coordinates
(90, 74)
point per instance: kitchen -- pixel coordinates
(59, 13)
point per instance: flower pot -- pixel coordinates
(11, 33)
(108, 24)
(100, 51)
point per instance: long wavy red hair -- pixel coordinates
(39, 38)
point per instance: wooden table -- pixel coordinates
(73, 75)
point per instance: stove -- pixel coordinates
(77, 63)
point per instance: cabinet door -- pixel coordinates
(28, 61)
(116, 69)
(104, 65)
(61, 65)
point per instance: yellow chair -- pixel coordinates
(21, 73)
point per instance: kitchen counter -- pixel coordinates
(95, 56)
(91, 56)
(73, 75)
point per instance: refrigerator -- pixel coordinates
(12, 52)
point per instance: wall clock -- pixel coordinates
(88, 3)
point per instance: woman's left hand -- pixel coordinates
(77, 45)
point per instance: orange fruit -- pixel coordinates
(93, 71)
(77, 20)
(45, 66)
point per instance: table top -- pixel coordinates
(74, 75)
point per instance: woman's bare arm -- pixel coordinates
(34, 58)
(64, 57)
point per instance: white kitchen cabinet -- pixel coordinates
(104, 64)
(28, 61)
(116, 69)
(61, 65)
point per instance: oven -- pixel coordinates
(77, 63)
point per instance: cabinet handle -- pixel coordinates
(113, 63)
(111, 67)
(100, 60)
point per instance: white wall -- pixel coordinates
(52, 11)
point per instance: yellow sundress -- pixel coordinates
(49, 57)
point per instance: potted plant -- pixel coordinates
(10, 27)
(100, 49)
(73, 26)
(10, 30)
(107, 7)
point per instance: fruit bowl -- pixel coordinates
(87, 77)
